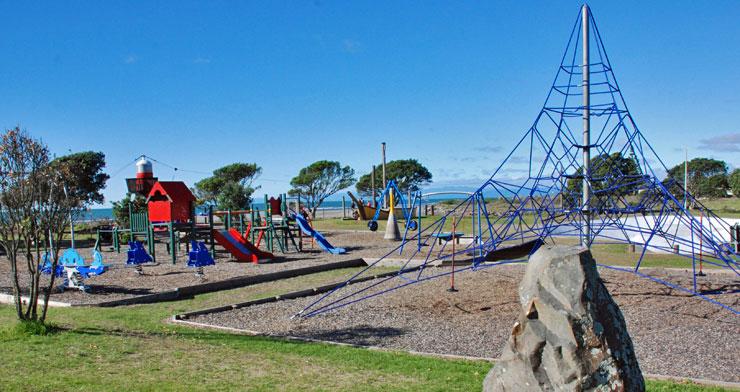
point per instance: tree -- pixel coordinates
(734, 182)
(86, 179)
(707, 178)
(36, 204)
(121, 208)
(409, 174)
(234, 196)
(616, 173)
(320, 180)
(230, 187)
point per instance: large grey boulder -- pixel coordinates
(570, 335)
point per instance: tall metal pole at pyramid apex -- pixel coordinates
(586, 238)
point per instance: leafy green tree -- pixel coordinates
(608, 171)
(409, 174)
(320, 180)
(121, 208)
(86, 179)
(713, 186)
(615, 172)
(707, 178)
(734, 182)
(230, 187)
(234, 196)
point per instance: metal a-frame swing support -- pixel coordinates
(408, 210)
(600, 187)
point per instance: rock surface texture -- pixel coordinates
(570, 335)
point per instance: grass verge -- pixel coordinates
(132, 348)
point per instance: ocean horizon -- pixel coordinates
(94, 214)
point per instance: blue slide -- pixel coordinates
(323, 243)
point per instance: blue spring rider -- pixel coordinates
(73, 269)
(137, 255)
(199, 257)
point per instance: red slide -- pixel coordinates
(239, 247)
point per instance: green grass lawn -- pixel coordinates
(728, 207)
(133, 348)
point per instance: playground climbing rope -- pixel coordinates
(601, 187)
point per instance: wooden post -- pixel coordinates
(372, 185)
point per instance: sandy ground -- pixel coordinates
(674, 334)
(121, 280)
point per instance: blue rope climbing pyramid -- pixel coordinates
(538, 192)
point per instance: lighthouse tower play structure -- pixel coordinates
(144, 181)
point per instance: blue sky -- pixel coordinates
(201, 84)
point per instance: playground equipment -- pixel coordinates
(169, 216)
(239, 247)
(273, 225)
(73, 269)
(366, 212)
(393, 193)
(198, 257)
(564, 193)
(308, 230)
(144, 180)
(137, 256)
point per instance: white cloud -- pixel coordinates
(722, 143)
(351, 46)
(130, 59)
(202, 60)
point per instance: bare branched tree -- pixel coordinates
(34, 213)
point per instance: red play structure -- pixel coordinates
(170, 201)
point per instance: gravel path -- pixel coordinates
(674, 334)
(121, 281)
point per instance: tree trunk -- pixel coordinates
(13, 256)
(47, 293)
(34, 284)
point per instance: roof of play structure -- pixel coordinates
(174, 191)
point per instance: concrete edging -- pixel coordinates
(9, 300)
(290, 295)
(188, 291)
